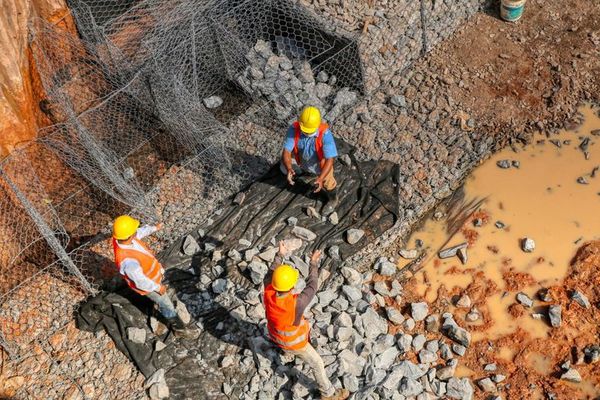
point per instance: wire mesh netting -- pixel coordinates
(158, 109)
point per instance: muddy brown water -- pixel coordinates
(541, 200)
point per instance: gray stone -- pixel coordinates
(245, 243)
(258, 270)
(268, 255)
(419, 310)
(373, 324)
(504, 164)
(352, 293)
(459, 388)
(398, 100)
(459, 349)
(304, 234)
(219, 285)
(432, 345)
(445, 351)
(591, 354)
(524, 300)
(250, 254)
(385, 267)
(159, 346)
(555, 315)
(381, 288)
(387, 358)
(292, 244)
(581, 299)
(408, 324)
(292, 221)
(486, 385)
(571, 375)
(404, 343)
(409, 387)
(527, 245)
(408, 254)
(451, 251)
(239, 198)
(438, 388)
(544, 295)
(473, 315)
(427, 357)
(345, 159)
(312, 212)
(300, 265)
(182, 312)
(455, 332)
(410, 370)
(136, 335)
(158, 391)
(418, 342)
(500, 225)
(157, 376)
(498, 378)
(352, 276)
(190, 246)
(432, 323)
(350, 382)
(334, 252)
(213, 102)
(464, 301)
(234, 255)
(227, 361)
(445, 373)
(394, 315)
(393, 379)
(462, 255)
(325, 297)
(333, 218)
(350, 363)
(353, 236)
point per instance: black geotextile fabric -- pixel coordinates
(368, 193)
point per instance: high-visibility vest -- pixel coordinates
(281, 313)
(318, 142)
(150, 265)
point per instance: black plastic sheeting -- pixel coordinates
(368, 193)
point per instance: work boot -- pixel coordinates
(340, 394)
(181, 330)
(331, 202)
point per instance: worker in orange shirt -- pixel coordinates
(141, 270)
(287, 326)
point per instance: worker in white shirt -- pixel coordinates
(140, 268)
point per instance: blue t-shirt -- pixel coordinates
(307, 149)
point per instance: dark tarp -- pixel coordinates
(368, 200)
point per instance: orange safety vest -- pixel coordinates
(150, 265)
(318, 142)
(281, 312)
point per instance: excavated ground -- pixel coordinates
(504, 78)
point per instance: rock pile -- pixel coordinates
(367, 345)
(291, 85)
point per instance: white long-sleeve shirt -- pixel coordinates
(132, 268)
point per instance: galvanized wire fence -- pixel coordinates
(162, 109)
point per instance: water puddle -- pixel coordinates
(540, 199)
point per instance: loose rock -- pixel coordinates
(527, 245)
(190, 246)
(555, 315)
(354, 235)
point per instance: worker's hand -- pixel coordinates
(162, 290)
(290, 176)
(316, 256)
(282, 249)
(318, 185)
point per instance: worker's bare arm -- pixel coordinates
(324, 172)
(286, 159)
(310, 291)
(147, 230)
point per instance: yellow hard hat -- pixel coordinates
(124, 226)
(284, 278)
(310, 119)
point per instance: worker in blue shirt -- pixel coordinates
(310, 143)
